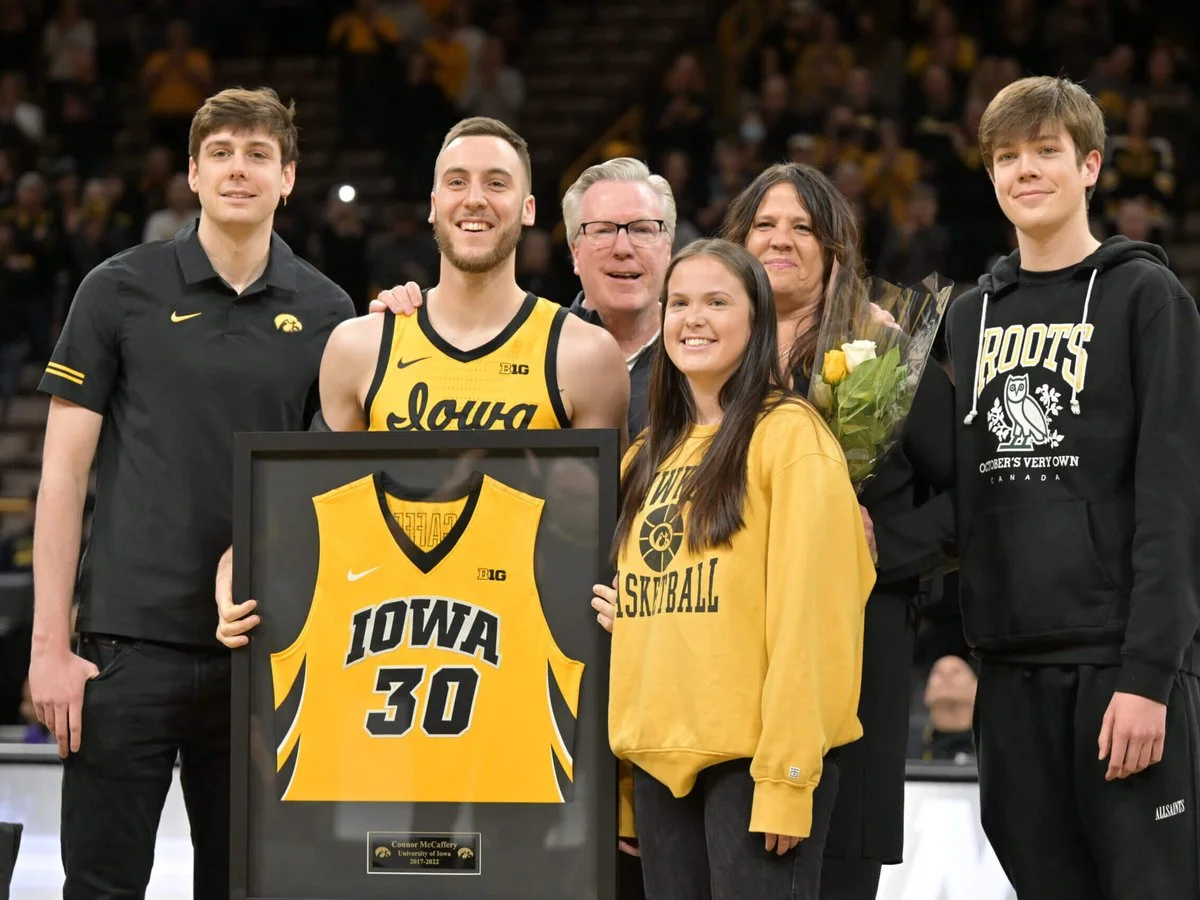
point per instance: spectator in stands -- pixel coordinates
(22, 124)
(364, 42)
(799, 225)
(865, 107)
(879, 49)
(181, 209)
(1112, 83)
(410, 19)
(828, 59)
(727, 179)
(405, 251)
(451, 59)
(14, 321)
(66, 35)
(8, 178)
(415, 137)
(338, 247)
(890, 172)
(97, 232)
(494, 89)
(1077, 33)
(148, 191)
(468, 33)
(36, 256)
(18, 44)
(677, 169)
(680, 117)
(917, 244)
(1014, 28)
(944, 46)
(176, 80)
(16, 547)
(967, 198)
(536, 268)
(950, 700)
(83, 117)
(774, 122)
(1140, 164)
(937, 114)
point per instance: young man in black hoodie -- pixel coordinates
(1078, 490)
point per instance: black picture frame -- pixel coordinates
(255, 453)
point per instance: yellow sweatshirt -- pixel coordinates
(746, 652)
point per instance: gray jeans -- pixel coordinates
(699, 847)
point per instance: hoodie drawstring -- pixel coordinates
(978, 362)
(979, 352)
(1086, 300)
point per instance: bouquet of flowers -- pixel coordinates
(872, 346)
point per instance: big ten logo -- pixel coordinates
(493, 575)
(514, 369)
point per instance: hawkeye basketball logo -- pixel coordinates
(1024, 419)
(672, 588)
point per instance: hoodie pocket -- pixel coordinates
(1031, 571)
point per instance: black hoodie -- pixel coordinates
(1078, 465)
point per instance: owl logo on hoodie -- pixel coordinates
(1021, 422)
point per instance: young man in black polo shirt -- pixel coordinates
(169, 348)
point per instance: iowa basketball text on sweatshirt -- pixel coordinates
(751, 651)
(1078, 465)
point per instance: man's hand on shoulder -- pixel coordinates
(593, 377)
(402, 300)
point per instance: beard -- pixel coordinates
(505, 246)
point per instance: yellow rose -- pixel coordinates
(834, 369)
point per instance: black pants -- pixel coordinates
(699, 847)
(149, 704)
(850, 879)
(1060, 831)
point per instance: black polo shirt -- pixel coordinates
(176, 362)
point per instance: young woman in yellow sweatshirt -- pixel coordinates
(737, 618)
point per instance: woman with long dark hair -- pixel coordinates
(743, 569)
(797, 224)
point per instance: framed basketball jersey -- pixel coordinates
(422, 709)
(425, 668)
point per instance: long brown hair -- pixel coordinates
(833, 223)
(716, 488)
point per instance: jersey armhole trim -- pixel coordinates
(381, 364)
(556, 401)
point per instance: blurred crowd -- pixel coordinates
(883, 95)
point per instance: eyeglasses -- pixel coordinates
(642, 232)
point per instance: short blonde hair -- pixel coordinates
(623, 168)
(1028, 106)
(482, 126)
(241, 109)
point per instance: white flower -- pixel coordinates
(857, 352)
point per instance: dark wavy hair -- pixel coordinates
(716, 488)
(833, 223)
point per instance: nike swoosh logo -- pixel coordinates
(351, 575)
(176, 317)
(401, 364)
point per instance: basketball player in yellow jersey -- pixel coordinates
(481, 353)
(429, 671)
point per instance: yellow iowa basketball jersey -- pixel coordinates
(423, 383)
(429, 671)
